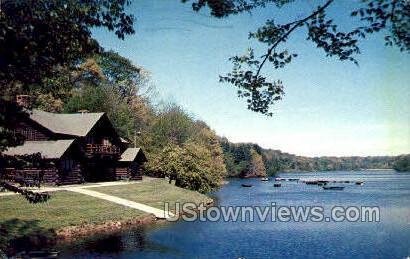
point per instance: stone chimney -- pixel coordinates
(24, 100)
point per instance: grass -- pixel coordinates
(154, 193)
(25, 226)
(63, 209)
(69, 209)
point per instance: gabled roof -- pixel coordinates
(48, 149)
(76, 124)
(130, 154)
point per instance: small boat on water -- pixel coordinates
(337, 188)
(277, 185)
(311, 182)
(246, 185)
(359, 183)
(322, 182)
(293, 179)
(264, 179)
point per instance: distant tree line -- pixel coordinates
(239, 161)
(402, 163)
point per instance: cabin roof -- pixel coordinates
(76, 124)
(130, 154)
(48, 149)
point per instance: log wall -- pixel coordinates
(33, 176)
(48, 176)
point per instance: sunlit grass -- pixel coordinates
(154, 192)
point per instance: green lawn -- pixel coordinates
(69, 208)
(63, 209)
(154, 192)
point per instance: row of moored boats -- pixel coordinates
(325, 184)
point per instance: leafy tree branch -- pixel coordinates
(259, 90)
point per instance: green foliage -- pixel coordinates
(47, 102)
(172, 125)
(185, 150)
(118, 70)
(197, 173)
(177, 146)
(402, 163)
(258, 92)
(191, 166)
(208, 138)
(257, 166)
(261, 91)
(37, 35)
(89, 98)
(39, 39)
(10, 114)
(243, 159)
(101, 87)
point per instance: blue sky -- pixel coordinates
(330, 107)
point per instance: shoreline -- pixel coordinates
(68, 233)
(70, 215)
(71, 232)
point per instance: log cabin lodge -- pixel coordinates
(74, 148)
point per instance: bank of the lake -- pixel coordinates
(389, 238)
(69, 215)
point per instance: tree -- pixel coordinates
(129, 79)
(390, 16)
(190, 166)
(166, 163)
(39, 37)
(209, 139)
(257, 167)
(402, 163)
(185, 150)
(198, 172)
(173, 125)
(100, 87)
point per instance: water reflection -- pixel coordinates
(134, 239)
(18, 235)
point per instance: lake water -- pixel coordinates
(389, 238)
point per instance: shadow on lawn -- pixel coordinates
(24, 235)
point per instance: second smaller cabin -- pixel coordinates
(130, 164)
